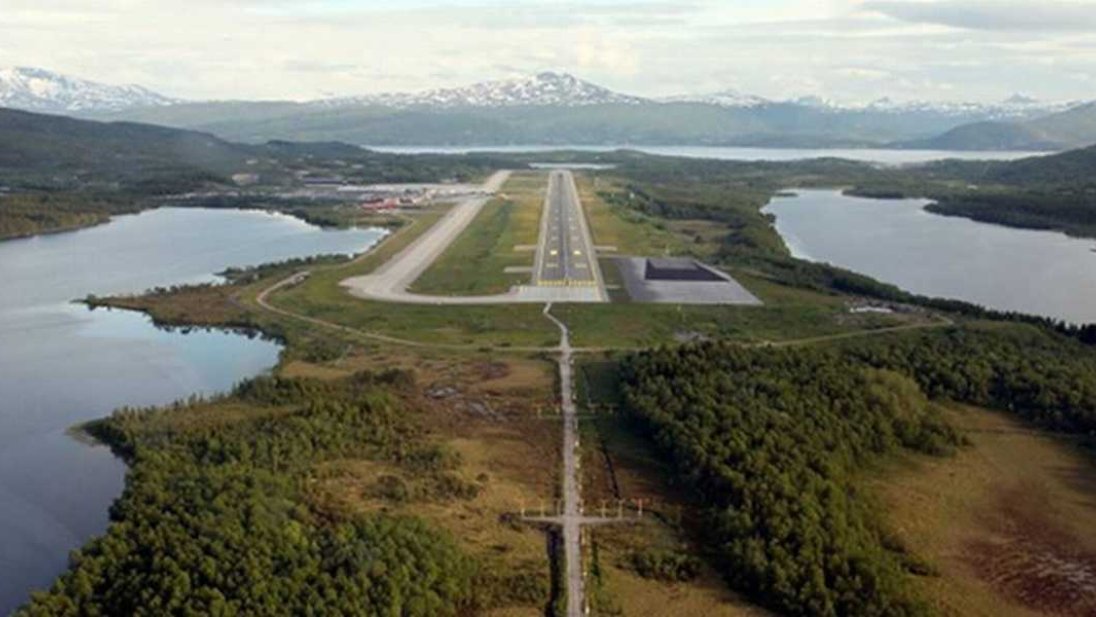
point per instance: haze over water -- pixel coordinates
(61, 364)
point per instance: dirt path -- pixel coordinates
(943, 322)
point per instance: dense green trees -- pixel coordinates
(26, 214)
(1046, 379)
(1071, 209)
(770, 440)
(665, 565)
(214, 519)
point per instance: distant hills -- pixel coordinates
(1075, 168)
(1056, 192)
(42, 151)
(49, 151)
(63, 149)
(560, 109)
(1071, 128)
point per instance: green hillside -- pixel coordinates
(772, 124)
(989, 136)
(60, 150)
(1073, 128)
(1055, 192)
(1076, 126)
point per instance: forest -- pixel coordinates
(216, 517)
(1068, 209)
(27, 214)
(770, 442)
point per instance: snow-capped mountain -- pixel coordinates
(1015, 107)
(39, 90)
(549, 89)
(724, 98)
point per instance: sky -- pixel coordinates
(846, 50)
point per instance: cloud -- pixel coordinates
(308, 66)
(859, 72)
(596, 52)
(300, 49)
(1018, 16)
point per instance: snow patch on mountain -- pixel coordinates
(724, 98)
(547, 89)
(40, 90)
(1015, 107)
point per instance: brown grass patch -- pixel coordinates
(199, 305)
(1009, 523)
(1031, 559)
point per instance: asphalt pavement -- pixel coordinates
(565, 255)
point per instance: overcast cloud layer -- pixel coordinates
(849, 50)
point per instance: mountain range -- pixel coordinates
(546, 89)
(560, 109)
(39, 90)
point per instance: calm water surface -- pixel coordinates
(867, 155)
(61, 364)
(1039, 272)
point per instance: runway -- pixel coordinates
(565, 254)
(565, 268)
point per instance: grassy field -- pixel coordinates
(596, 326)
(476, 262)
(517, 325)
(631, 233)
(788, 314)
(1009, 523)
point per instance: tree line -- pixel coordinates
(27, 214)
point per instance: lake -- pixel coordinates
(61, 364)
(897, 241)
(867, 155)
